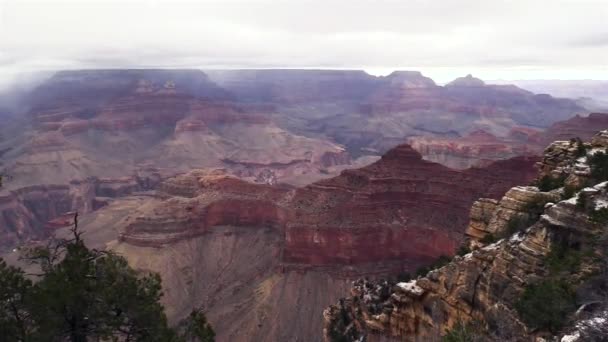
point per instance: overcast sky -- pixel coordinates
(527, 39)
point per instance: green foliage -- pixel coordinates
(463, 250)
(516, 224)
(85, 295)
(569, 191)
(546, 305)
(581, 201)
(403, 277)
(15, 320)
(563, 259)
(599, 165)
(339, 327)
(548, 183)
(440, 262)
(196, 328)
(488, 239)
(599, 216)
(581, 149)
(464, 332)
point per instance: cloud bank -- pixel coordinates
(515, 39)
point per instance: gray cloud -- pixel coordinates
(493, 39)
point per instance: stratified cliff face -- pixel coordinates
(478, 148)
(385, 211)
(389, 210)
(114, 123)
(485, 285)
(34, 212)
(583, 127)
(370, 114)
(264, 260)
(268, 126)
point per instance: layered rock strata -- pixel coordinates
(386, 211)
(485, 284)
(31, 213)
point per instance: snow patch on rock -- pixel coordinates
(411, 287)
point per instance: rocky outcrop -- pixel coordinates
(489, 217)
(484, 285)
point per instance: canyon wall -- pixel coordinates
(485, 285)
(260, 259)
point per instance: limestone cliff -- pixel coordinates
(527, 237)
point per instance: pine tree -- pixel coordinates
(84, 294)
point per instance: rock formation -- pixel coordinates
(31, 213)
(373, 114)
(485, 285)
(262, 258)
(583, 127)
(390, 203)
(478, 148)
(112, 123)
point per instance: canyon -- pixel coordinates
(291, 126)
(485, 284)
(260, 258)
(260, 195)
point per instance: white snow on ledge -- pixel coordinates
(595, 150)
(576, 335)
(571, 338)
(600, 204)
(601, 185)
(411, 287)
(492, 246)
(517, 237)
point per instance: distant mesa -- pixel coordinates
(467, 81)
(410, 79)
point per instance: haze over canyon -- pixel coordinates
(331, 171)
(259, 195)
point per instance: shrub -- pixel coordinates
(581, 201)
(569, 191)
(599, 216)
(548, 183)
(488, 239)
(440, 262)
(403, 277)
(563, 259)
(516, 224)
(463, 250)
(84, 294)
(546, 305)
(599, 166)
(465, 332)
(581, 149)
